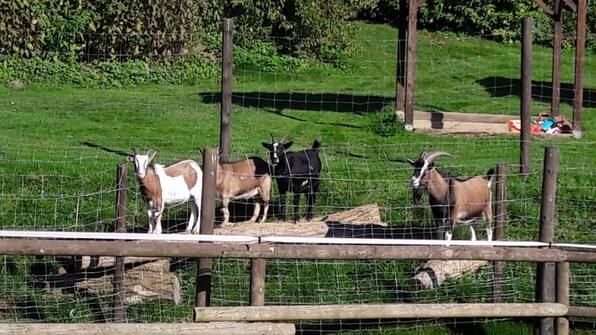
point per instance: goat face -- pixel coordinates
(277, 150)
(142, 162)
(422, 165)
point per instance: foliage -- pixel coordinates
(152, 29)
(263, 56)
(107, 73)
(386, 123)
(498, 19)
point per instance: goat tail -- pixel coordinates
(317, 143)
(490, 175)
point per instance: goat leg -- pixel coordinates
(255, 213)
(311, 196)
(296, 205)
(193, 217)
(472, 232)
(449, 225)
(157, 229)
(265, 209)
(225, 211)
(151, 220)
(283, 210)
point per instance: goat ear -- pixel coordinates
(289, 144)
(130, 158)
(267, 145)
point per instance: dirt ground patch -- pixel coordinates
(465, 124)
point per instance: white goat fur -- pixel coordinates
(164, 185)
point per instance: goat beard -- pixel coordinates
(417, 193)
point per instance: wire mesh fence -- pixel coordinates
(50, 181)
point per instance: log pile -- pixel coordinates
(146, 278)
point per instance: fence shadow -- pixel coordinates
(329, 102)
(541, 90)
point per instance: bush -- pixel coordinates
(191, 70)
(498, 19)
(153, 29)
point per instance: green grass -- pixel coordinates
(49, 181)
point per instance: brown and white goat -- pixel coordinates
(453, 200)
(244, 179)
(173, 184)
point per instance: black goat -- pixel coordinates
(296, 172)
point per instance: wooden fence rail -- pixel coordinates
(377, 311)
(51, 247)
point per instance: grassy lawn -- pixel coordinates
(48, 180)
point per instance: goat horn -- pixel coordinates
(436, 154)
(284, 138)
(134, 151)
(272, 139)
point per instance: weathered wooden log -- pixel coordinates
(376, 311)
(318, 227)
(212, 328)
(146, 282)
(281, 251)
(95, 262)
(435, 272)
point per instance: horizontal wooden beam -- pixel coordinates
(214, 328)
(546, 8)
(570, 4)
(380, 311)
(286, 251)
(586, 312)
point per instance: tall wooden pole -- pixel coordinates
(545, 272)
(500, 219)
(411, 65)
(402, 29)
(119, 314)
(203, 280)
(580, 52)
(526, 99)
(557, 38)
(225, 132)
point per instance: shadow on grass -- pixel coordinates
(541, 90)
(328, 102)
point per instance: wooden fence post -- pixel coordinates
(225, 131)
(580, 53)
(400, 82)
(557, 17)
(562, 322)
(258, 269)
(119, 314)
(545, 272)
(526, 96)
(500, 219)
(411, 65)
(203, 279)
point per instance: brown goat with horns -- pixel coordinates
(453, 200)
